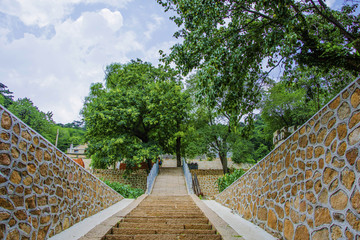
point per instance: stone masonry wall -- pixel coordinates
(136, 179)
(208, 181)
(42, 191)
(309, 186)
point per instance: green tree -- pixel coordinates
(69, 136)
(254, 146)
(6, 97)
(299, 95)
(236, 44)
(41, 122)
(134, 116)
(217, 120)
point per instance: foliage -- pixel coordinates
(135, 115)
(254, 146)
(69, 135)
(236, 44)
(43, 123)
(299, 95)
(217, 34)
(125, 190)
(228, 178)
(6, 97)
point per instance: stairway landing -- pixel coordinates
(170, 182)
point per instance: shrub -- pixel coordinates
(229, 178)
(125, 190)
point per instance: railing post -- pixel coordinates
(188, 177)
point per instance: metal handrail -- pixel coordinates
(151, 177)
(188, 177)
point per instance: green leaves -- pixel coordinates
(133, 117)
(125, 190)
(229, 178)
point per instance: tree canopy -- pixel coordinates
(236, 44)
(133, 116)
(249, 32)
(6, 97)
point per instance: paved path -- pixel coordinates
(170, 182)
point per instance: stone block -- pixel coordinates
(335, 103)
(353, 220)
(344, 111)
(330, 137)
(329, 175)
(288, 229)
(347, 178)
(322, 234)
(355, 201)
(6, 204)
(355, 98)
(351, 155)
(6, 121)
(302, 233)
(272, 219)
(322, 216)
(15, 177)
(354, 136)
(339, 200)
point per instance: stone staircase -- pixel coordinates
(164, 217)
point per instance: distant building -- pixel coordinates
(79, 152)
(279, 136)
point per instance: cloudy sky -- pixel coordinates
(52, 50)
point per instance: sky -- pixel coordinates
(52, 50)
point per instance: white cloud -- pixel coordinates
(114, 19)
(55, 70)
(62, 68)
(45, 12)
(153, 25)
(330, 3)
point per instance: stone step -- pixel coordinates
(164, 237)
(166, 215)
(167, 220)
(130, 231)
(168, 207)
(162, 226)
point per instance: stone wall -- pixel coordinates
(208, 181)
(309, 186)
(136, 179)
(43, 192)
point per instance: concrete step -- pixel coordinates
(129, 231)
(164, 217)
(163, 226)
(167, 220)
(163, 237)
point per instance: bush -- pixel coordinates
(125, 190)
(228, 179)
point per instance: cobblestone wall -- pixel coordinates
(309, 186)
(208, 181)
(42, 191)
(137, 179)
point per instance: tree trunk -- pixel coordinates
(178, 152)
(223, 160)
